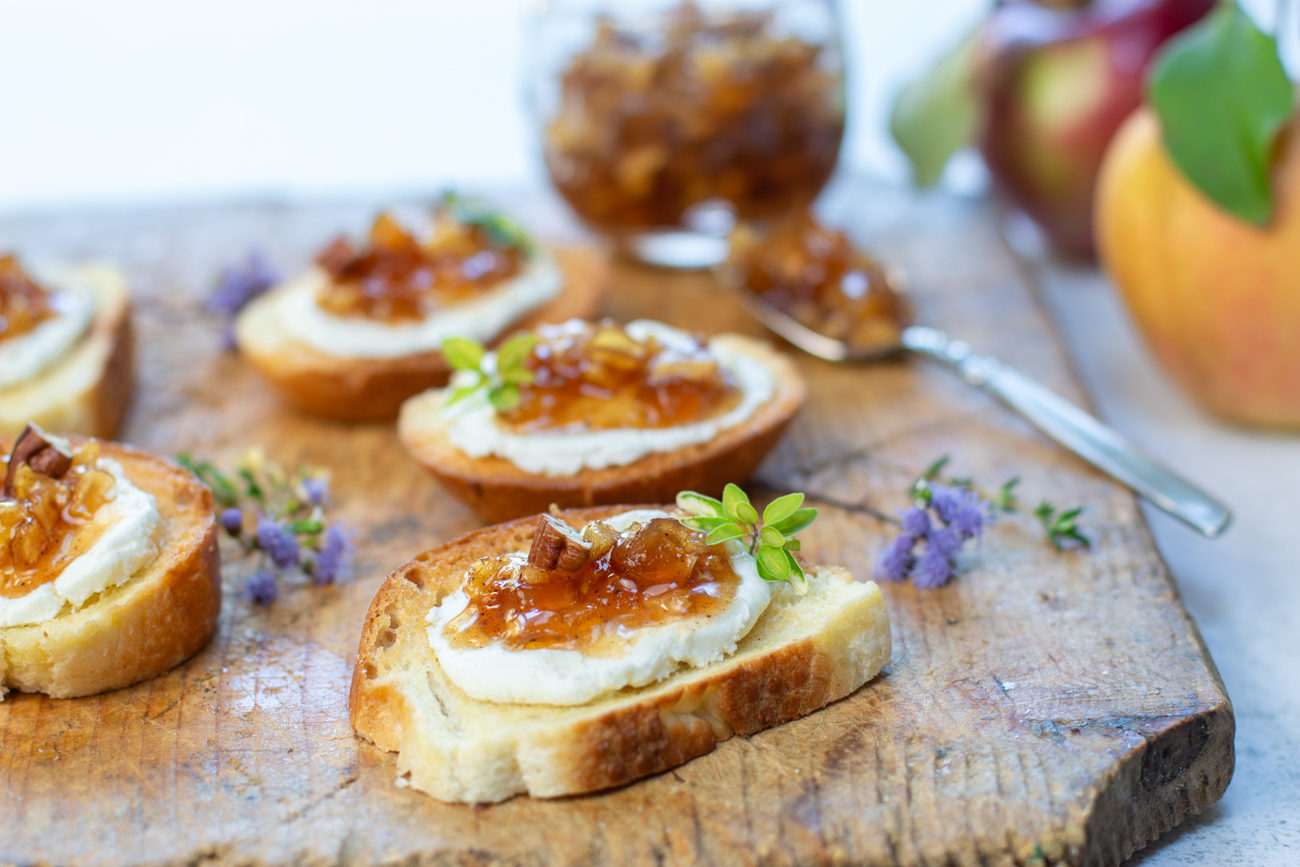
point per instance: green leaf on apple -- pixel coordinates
(1222, 97)
(939, 113)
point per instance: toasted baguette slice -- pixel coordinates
(498, 490)
(361, 389)
(803, 653)
(88, 390)
(139, 629)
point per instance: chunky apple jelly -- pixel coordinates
(652, 120)
(23, 303)
(47, 522)
(648, 575)
(398, 277)
(815, 275)
(598, 377)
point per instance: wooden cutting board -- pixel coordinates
(1043, 708)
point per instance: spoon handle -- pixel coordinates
(1076, 430)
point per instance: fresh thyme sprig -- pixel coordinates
(1061, 528)
(948, 512)
(502, 231)
(287, 513)
(500, 372)
(770, 539)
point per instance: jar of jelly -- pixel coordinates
(662, 121)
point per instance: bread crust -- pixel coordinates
(88, 391)
(498, 490)
(133, 632)
(554, 751)
(373, 389)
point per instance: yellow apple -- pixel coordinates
(1218, 299)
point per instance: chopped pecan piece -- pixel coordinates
(558, 547)
(336, 256)
(41, 452)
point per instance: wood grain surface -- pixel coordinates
(1044, 708)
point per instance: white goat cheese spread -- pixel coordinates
(481, 318)
(28, 355)
(570, 677)
(126, 546)
(475, 431)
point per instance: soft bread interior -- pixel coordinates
(139, 629)
(65, 397)
(803, 653)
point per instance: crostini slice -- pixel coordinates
(498, 489)
(370, 384)
(802, 653)
(87, 391)
(159, 617)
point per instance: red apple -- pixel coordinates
(1058, 82)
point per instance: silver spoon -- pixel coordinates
(1045, 409)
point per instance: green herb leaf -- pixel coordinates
(517, 376)
(223, 490)
(1222, 97)
(747, 513)
(1063, 527)
(501, 230)
(254, 489)
(782, 508)
(698, 504)
(938, 114)
(771, 536)
(773, 563)
(514, 352)
(504, 397)
(464, 391)
(797, 521)
(307, 527)
(1006, 496)
(797, 579)
(932, 472)
(792, 545)
(724, 533)
(462, 353)
(706, 523)
(732, 497)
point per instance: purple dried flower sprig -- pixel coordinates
(286, 513)
(944, 516)
(237, 285)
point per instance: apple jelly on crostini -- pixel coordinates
(598, 377)
(646, 576)
(47, 522)
(816, 276)
(23, 303)
(399, 277)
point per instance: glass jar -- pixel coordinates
(663, 120)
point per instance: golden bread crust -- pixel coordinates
(88, 391)
(498, 490)
(353, 389)
(138, 630)
(460, 749)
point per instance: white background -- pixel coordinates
(112, 101)
(130, 101)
